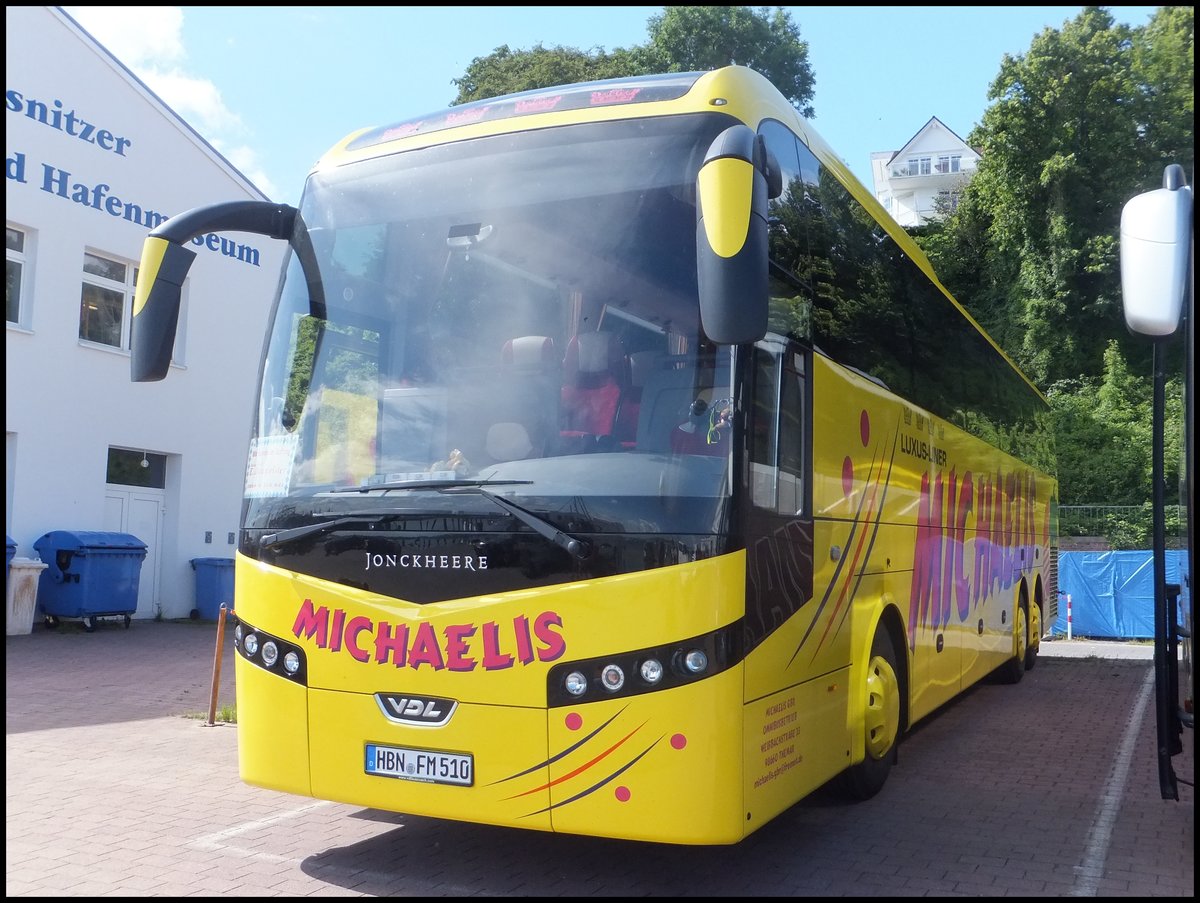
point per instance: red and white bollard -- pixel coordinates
(1068, 616)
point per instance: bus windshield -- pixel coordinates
(518, 309)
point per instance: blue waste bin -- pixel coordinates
(214, 585)
(89, 575)
(8, 554)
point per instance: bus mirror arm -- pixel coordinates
(166, 260)
(259, 217)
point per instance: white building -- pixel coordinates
(925, 175)
(93, 161)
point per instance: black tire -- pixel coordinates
(1013, 670)
(128, 618)
(51, 621)
(882, 723)
(89, 624)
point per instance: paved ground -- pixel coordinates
(117, 786)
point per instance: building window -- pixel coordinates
(127, 467)
(947, 201)
(14, 268)
(106, 301)
(919, 166)
(947, 163)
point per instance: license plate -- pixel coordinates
(422, 765)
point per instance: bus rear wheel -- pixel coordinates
(1034, 641)
(1013, 670)
(881, 722)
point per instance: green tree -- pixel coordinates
(1164, 67)
(1083, 121)
(1060, 154)
(1080, 123)
(681, 39)
(1103, 430)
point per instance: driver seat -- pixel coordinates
(594, 380)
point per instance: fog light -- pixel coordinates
(270, 653)
(251, 643)
(291, 663)
(695, 661)
(612, 677)
(651, 670)
(237, 634)
(576, 683)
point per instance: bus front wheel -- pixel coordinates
(881, 722)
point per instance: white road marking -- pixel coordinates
(220, 840)
(1095, 851)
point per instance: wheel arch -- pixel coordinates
(1039, 599)
(892, 621)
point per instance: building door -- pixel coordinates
(138, 511)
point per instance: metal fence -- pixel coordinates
(1124, 526)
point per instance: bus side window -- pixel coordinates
(791, 498)
(764, 423)
(776, 446)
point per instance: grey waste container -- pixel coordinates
(89, 575)
(20, 594)
(214, 585)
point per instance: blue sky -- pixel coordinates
(273, 88)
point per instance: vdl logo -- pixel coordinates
(429, 711)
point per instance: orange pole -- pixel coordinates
(216, 681)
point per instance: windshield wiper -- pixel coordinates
(424, 484)
(572, 544)
(575, 546)
(286, 536)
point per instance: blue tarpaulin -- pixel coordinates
(1112, 593)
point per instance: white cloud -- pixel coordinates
(149, 40)
(195, 99)
(247, 161)
(141, 36)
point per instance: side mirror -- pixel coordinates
(1156, 243)
(732, 189)
(166, 260)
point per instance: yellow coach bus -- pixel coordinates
(619, 468)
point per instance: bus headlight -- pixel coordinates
(651, 670)
(575, 683)
(269, 652)
(612, 677)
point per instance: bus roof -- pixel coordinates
(584, 95)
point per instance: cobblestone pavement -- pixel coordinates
(117, 785)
